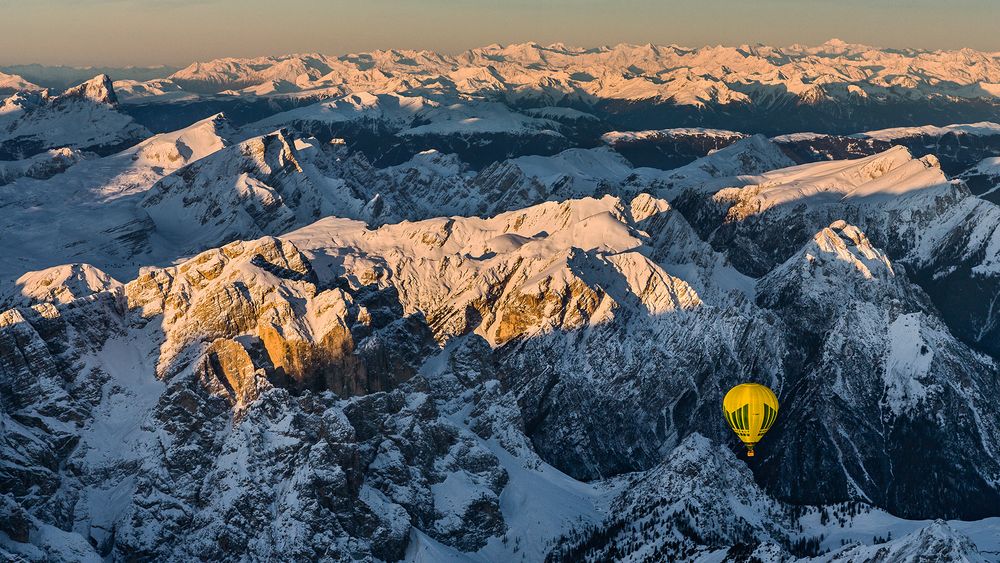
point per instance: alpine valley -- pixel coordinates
(410, 306)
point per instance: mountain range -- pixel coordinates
(422, 307)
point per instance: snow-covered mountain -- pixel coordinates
(422, 307)
(179, 193)
(84, 117)
(10, 83)
(90, 211)
(40, 166)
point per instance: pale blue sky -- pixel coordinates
(117, 32)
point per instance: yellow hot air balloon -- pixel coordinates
(750, 409)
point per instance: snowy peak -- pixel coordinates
(893, 196)
(10, 83)
(433, 164)
(40, 166)
(253, 308)
(700, 499)
(753, 155)
(706, 475)
(848, 244)
(21, 101)
(390, 110)
(812, 95)
(160, 89)
(936, 542)
(60, 284)
(839, 265)
(575, 172)
(616, 138)
(99, 90)
(177, 148)
(242, 191)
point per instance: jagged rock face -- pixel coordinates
(277, 182)
(266, 195)
(557, 295)
(46, 395)
(839, 264)
(521, 182)
(698, 500)
(562, 317)
(906, 206)
(308, 477)
(207, 428)
(227, 363)
(751, 156)
(98, 89)
(179, 193)
(879, 373)
(957, 268)
(983, 177)
(843, 284)
(803, 200)
(286, 478)
(557, 266)
(265, 294)
(637, 405)
(955, 149)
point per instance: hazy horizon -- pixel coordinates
(117, 33)
(155, 66)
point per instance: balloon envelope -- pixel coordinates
(750, 409)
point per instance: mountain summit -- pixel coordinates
(98, 89)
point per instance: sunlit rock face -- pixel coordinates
(261, 312)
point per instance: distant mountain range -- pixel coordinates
(529, 72)
(62, 77)
(835, 87)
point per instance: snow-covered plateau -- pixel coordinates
(407, 306)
